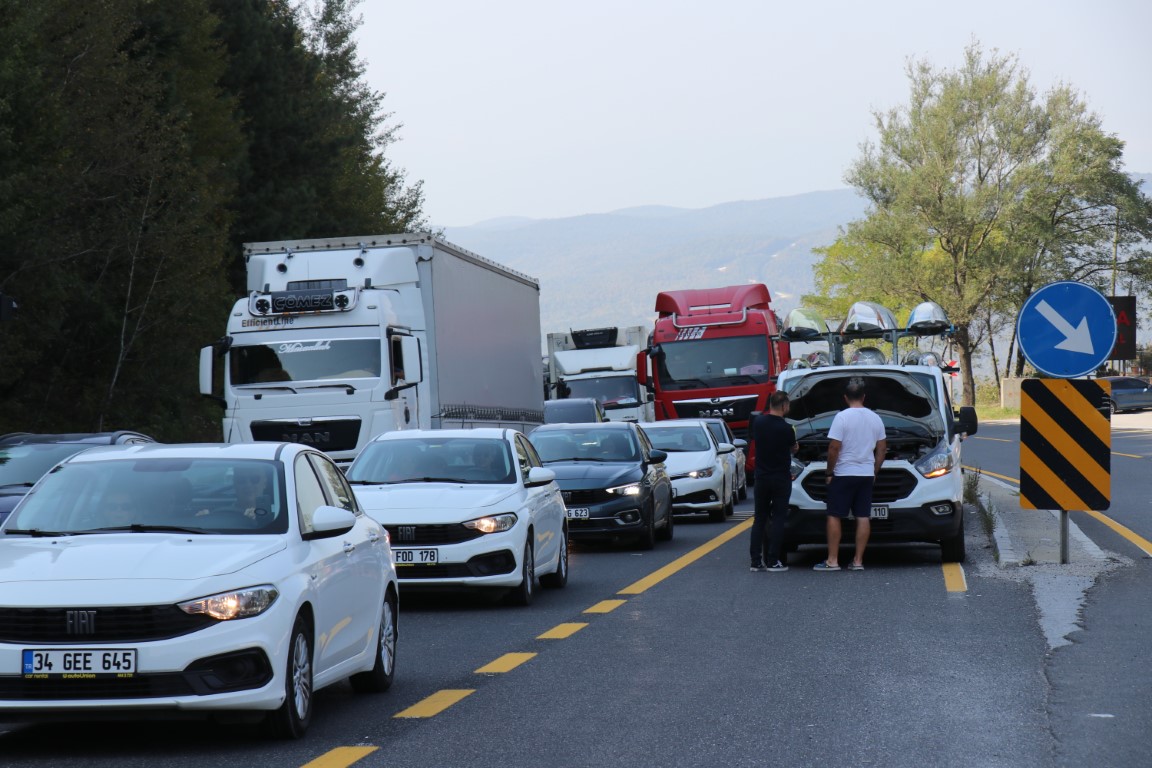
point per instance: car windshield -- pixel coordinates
(25, 464)
(585, 445)
(142, 495)
(610, 391)
(434, 459)
(679, 439)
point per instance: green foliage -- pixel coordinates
(132, 166)
(980, 192)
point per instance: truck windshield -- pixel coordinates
(304, 360)
(610, 391)
(714, 362)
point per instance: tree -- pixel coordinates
(975, 188)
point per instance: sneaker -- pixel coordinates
(823, 566)
(777, 567)
(758, 566)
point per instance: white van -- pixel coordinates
(918, 495)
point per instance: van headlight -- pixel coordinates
(240, 604)
(936, 464)
(632, 489)
(492, 523)
(795, 469)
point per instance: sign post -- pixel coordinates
(1066, 330)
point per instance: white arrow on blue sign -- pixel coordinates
(1066, 329)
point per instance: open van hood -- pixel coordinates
(893, 391)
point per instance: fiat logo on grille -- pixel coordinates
(80, 622)
(406, 533)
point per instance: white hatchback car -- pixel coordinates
(192, 578)
(702, 481)
(466, 508)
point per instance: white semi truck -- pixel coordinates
(342, 339)
(600, 363)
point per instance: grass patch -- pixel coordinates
(996, 413)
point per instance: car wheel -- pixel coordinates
(952, 550)
(558, 578)
(380, 677)
(743, 490)
(291, 720)
(665, 533)
(647, 537)
(1111, 407)
(523, 594)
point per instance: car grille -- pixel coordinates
(335, 435)
(110, 625)
(592, 496)
(408, 535)
(137, 687)
(891, 485)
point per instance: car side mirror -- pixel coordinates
(657, 456)
(725, 448)
(328, 522)
(967, 423)
(740, 443)
(539, 476)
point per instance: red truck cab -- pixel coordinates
(713, 355)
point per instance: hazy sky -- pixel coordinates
(547, 109)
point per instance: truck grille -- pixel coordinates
(729, 410)
(334, 435)
(109, 625)
(891, 485)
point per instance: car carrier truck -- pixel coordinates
(600, 363)
(342, 339)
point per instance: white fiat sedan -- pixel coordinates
(468, 508)
(700, 480)
(183, 578)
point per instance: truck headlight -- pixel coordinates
(233, 605)
(936, 464)
(492, 523)
(632, 489)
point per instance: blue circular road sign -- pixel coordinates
(1066, 329)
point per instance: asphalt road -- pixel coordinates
(681, 657)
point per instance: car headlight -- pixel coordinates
(936, 464)
(632, 489)
(698, 473)
(795, 469)
(492, 523)
(241, 604)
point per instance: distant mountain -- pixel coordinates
(606, 269)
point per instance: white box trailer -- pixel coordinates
(342, 339)
(600, 363)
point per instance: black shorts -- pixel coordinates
(850, 495)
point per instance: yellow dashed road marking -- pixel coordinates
(685, 560)
(436, 703)
(605, 606)
(340, 757)
(561, 631)
(505, 663)
(954, 580)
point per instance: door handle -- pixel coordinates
(349, 547)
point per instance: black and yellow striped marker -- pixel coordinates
(1065, 445)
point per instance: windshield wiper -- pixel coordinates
(35, 532)
(346, 387)
(265, 386)
(141, 528)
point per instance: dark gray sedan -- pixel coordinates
(1129, 393)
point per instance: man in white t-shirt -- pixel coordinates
(855, 455)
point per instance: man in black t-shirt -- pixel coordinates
(775, 441)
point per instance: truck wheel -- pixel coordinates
(952, 550)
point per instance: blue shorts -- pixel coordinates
(850, 494)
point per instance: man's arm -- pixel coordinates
(833, 457)
(879, 453)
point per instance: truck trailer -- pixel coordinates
(600, 363)
(342, 339)
(715, 353)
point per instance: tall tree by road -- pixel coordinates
(976, 186)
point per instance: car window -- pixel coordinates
(522, 460)
(332, 479)
(530, 450)
(645, 443)
(309, 492)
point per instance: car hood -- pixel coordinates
(587, 475)
(679, 462)
(431, 502)
(894, 392)
(44, 570)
